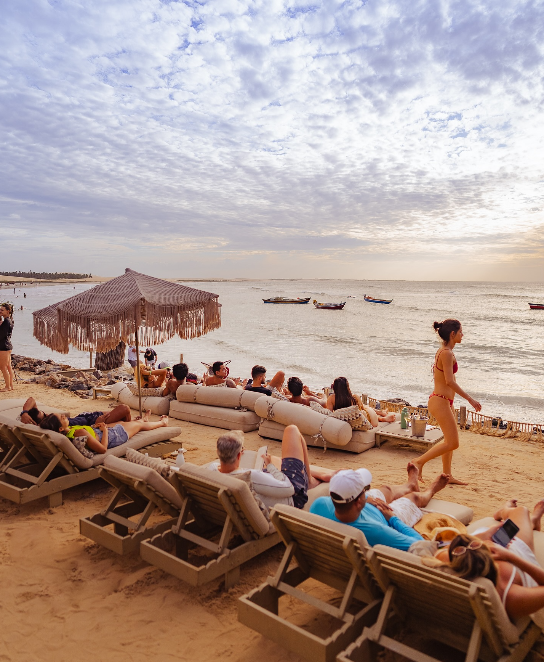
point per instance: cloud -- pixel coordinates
(289, 128)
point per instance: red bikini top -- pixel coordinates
(455, 366)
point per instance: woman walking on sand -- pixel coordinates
(441, 399)
(6, 312)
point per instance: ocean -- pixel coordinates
(385, 351)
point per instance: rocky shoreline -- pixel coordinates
(64, 376)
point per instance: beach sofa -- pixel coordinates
(330, 553)
(466, 615)
(124, 393)
(318, 430)
(141, 491)
(47, 462)
(227, 408)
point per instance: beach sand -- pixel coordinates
(65, 598)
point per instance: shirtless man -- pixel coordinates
(179, 372)
(296, 387)
(219, 376)
(31, 415)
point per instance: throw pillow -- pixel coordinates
(160, 466)
(246, 478)
(279, 396)
(353, 415)
(146, 392)
(79, 443)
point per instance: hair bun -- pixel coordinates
(437, 325)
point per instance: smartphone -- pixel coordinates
(505, 534)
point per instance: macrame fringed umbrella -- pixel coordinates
(133, 308)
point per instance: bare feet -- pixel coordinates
(511, 503)
(420, 471)
(164, 420)
(439, 483)
(413, 475)
(146, 415)
(456, 481)
(536, 515)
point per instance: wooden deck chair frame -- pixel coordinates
(9, 447)
(140, 502)
(187, 534)
(463, 603)
(321, 554)
(37, 468)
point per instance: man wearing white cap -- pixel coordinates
(385, 515)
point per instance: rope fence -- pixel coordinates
(474, 422)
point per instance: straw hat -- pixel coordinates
(437, 526)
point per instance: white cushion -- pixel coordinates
(217, 417)
(230, 398)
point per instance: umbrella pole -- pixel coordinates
(138, 374)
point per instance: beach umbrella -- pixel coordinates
(133, 308)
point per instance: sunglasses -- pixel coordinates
(473, 545)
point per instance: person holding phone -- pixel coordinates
(441, 399)
(514, 569)
(6, 328)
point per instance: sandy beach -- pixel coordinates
(65, 598)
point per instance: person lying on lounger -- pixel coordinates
(343, 397)
(385, 515)
(31, 415)
(100, 437)
(515, 571)
(288, 485)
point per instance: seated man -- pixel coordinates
(219, 376)
(288, 486)
(295, 388)
(179, 377)
(258, 383)
(33, 416)
(152, 378)
(385, 515)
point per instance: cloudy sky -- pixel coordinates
(230, 138)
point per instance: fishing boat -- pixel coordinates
(285, 300)
(536, 306)
(329, 306)
(373, 300)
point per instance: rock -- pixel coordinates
(98, 374)
(111, 382)
(397, 401)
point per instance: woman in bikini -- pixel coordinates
(6, 327)
(441, 399)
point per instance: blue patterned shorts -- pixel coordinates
(295, 470)
(117, 435)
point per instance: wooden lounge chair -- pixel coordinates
(222, 505)
(46, 462)
(468, 616)
(331, 553)
(143, 491)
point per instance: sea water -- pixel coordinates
(385, 351)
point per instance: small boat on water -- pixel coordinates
(536, 306)
(285, 300)
(329, 306)
(373, 300)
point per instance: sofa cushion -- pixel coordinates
(230, 398)
(159, 406)
(463, 513)
(217, 417)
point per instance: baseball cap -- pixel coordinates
(347, 485)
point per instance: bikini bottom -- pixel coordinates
(437, 395)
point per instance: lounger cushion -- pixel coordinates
(11, 409)
(308, 421)
(122, 393)
(146, 475)
(316, 492)
(242, 498)
(230, 398)
(360, 440)
(538, 536)
(510, 631)
(463, 513)
(217, 417)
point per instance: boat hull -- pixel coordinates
(330, 306)
(536, 306)
(371, 300)
(291, 301)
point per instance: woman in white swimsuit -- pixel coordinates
(514, 570)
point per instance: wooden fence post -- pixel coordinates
(463, 421)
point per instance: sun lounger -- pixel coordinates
(224, 512)
(465, 615)
(53, 463)
(121, 527)
(331, 553)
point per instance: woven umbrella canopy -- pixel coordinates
(133, 308)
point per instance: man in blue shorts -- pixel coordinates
(385, 515)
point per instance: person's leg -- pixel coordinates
(158, 376)
(133, 427)
(116, 415)
(421, 499)
(277, 380)
(10, 372)
(522, 517)
(441, 410)
(392, 492)
(4, 359)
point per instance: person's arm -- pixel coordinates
(25, 418)
(93, 443)
(381, 534)
(330, 402)
(230, 383)
(447, 365)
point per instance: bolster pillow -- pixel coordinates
(309, 422)
(231, 398)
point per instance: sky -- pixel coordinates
(274, 138)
